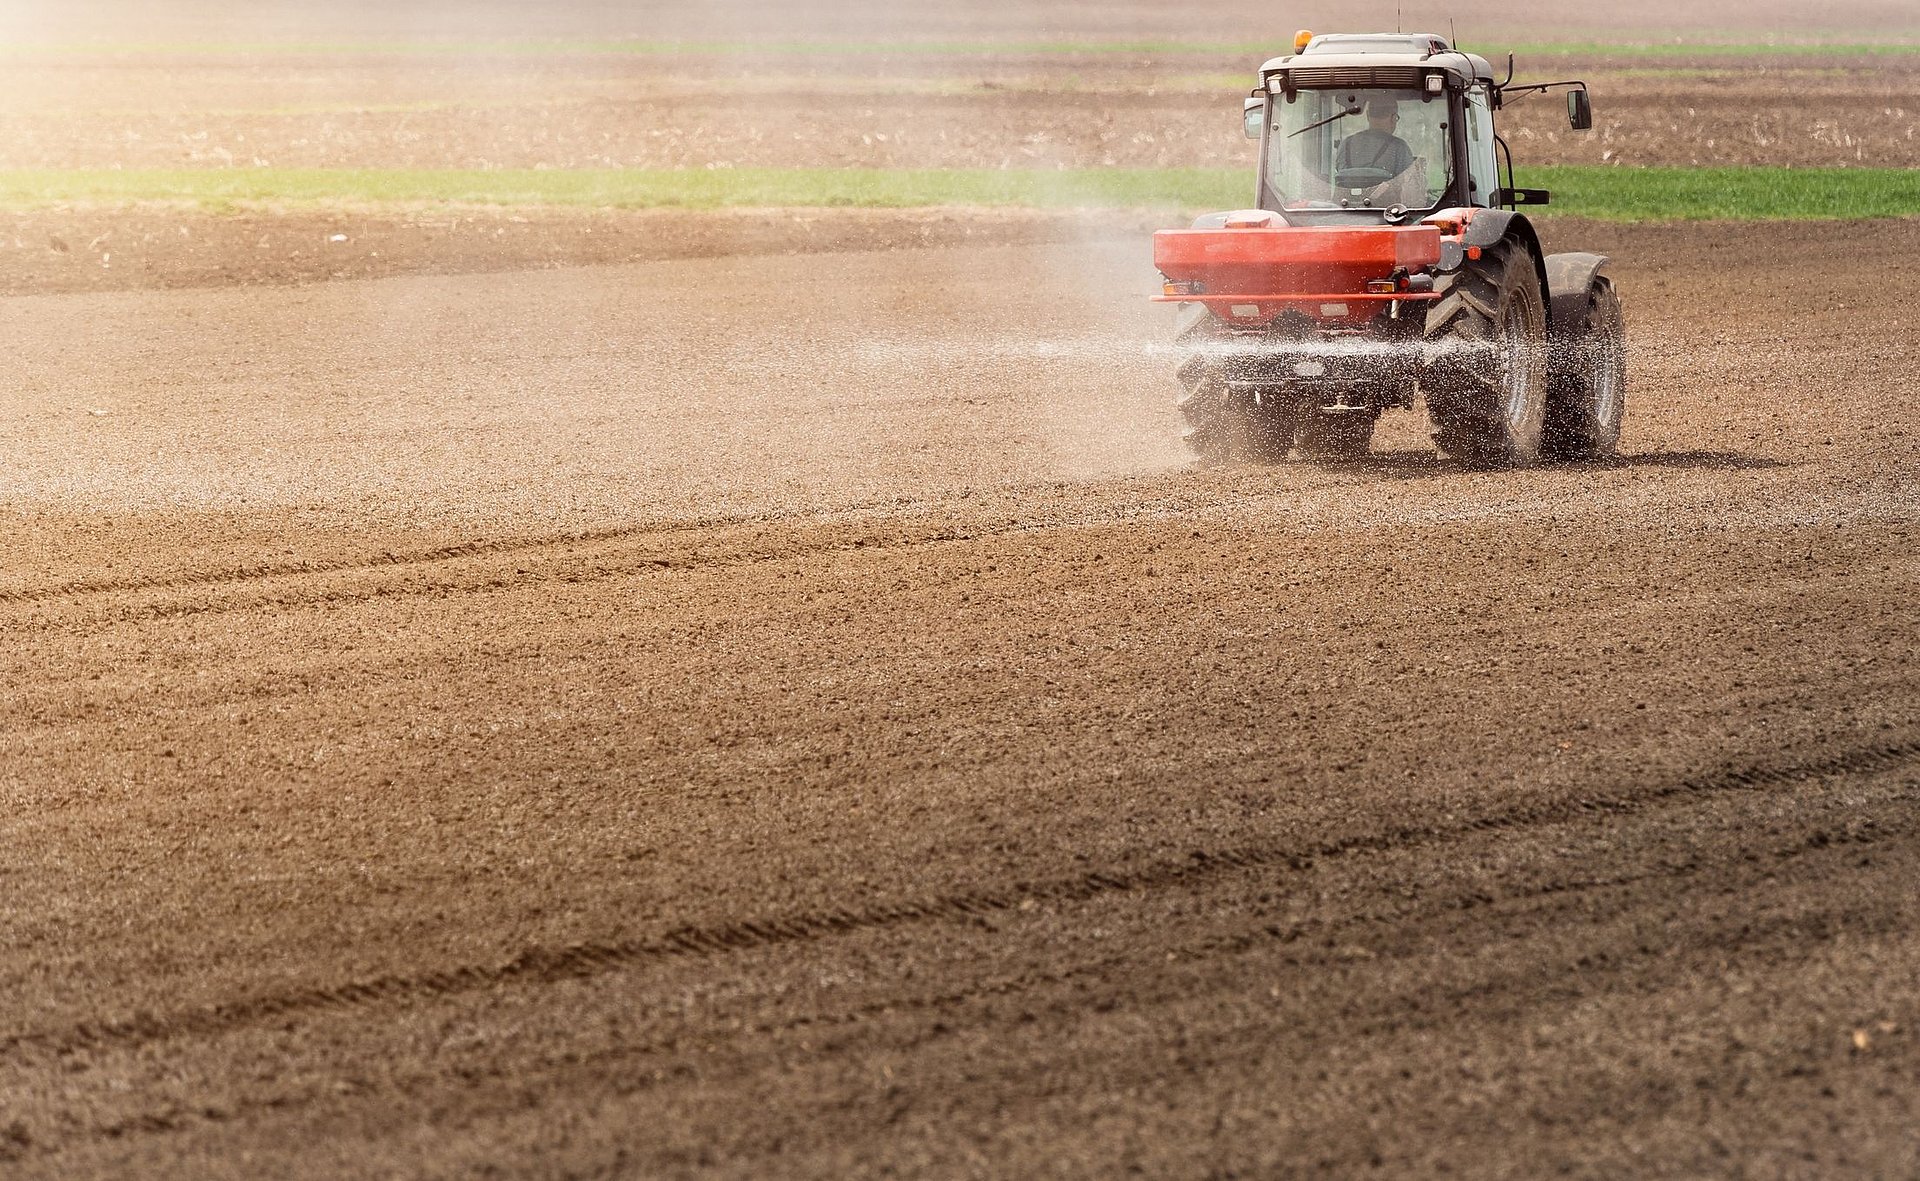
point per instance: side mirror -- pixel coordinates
(1256, 117)
(1579, 110)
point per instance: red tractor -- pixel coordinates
(1386, 257)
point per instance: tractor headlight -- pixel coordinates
(1436, 83)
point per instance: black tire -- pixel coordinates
(1336, 438)
(1587, 395)
(1486, 384)
(1225, 424)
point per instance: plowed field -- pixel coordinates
(801, 714)
(787, 706)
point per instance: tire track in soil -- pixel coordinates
(693, 544)
(549, 964)
(1801, 930)
(705, 543)
(862, 525)
(230, 587)
(240, 576)
(265, 571)
(568, 566)
(848, 518)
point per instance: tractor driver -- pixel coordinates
(1377, 147)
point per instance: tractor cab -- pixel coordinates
(1379, 128)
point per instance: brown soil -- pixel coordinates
(120, 249)
(886, 112)
(616, 694)
(801, 716)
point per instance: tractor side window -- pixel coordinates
(1483, 168)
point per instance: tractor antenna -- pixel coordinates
(1399, 18)
(1453, 36)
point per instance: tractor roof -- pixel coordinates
(1346, 52)
(1426, 43)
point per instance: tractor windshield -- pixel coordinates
(1362, 150)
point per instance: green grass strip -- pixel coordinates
(1259, 50)
(1623, 194)
(1734, 194)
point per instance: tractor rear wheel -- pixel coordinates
(1587, 395)
(1225, 423)
(1486, 386)
(1337, 438)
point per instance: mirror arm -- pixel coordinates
(1539, 87)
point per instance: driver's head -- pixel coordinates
(1383, 114)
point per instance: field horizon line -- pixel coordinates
(1610, 192)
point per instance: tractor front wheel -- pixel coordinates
(1486, 384)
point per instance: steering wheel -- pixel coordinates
(1361, 178)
